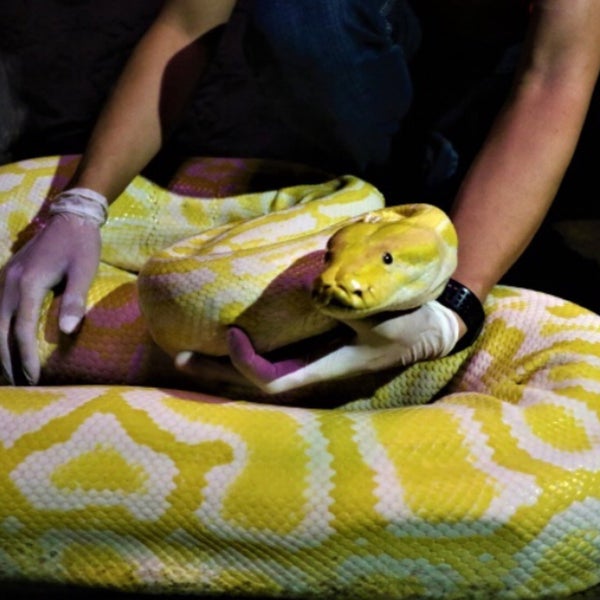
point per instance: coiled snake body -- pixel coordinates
(472, 476)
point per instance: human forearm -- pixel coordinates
(515, 177)
(151, 94)
(131, 128)
(154, 87)
(511, 185)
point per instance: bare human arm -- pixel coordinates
(151, 94)
(152, 91)
(515, 177)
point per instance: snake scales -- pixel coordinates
(491, 490)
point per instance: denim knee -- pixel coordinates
(335, 72)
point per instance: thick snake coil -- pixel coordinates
(471, 476)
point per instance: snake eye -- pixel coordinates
(388, 259)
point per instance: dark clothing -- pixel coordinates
(403, 93)
(338, 70)
(356, 79)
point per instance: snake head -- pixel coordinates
(389, 260)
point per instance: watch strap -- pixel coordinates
(468, 307)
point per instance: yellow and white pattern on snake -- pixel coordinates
(144, 220)
(493, 490)
(259, 273)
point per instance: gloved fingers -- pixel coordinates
(73, 301)
(72, 310)
(25, 327)
(81, 270)
(446, 328)
(22, 293)
(5, 357)
(431, 326)
(67, 248)
(255, 367)
(9, 301)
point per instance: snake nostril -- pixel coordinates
(358, 293)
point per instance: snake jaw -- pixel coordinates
(341, 300)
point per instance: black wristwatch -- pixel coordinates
(467, 306)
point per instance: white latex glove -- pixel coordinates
(428, 332)
(66, 249)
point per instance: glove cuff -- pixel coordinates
(83, 202)
(467, 306)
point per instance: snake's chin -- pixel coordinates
(339, 309)
(344, 312)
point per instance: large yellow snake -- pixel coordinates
(472, 476)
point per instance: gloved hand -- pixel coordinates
(428, 332)
(67, 248)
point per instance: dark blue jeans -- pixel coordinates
(337, 71)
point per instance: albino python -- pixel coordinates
(472, 476)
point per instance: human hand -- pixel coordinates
(428, 332)
(66, 249)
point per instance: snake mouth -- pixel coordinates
(335, 302)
